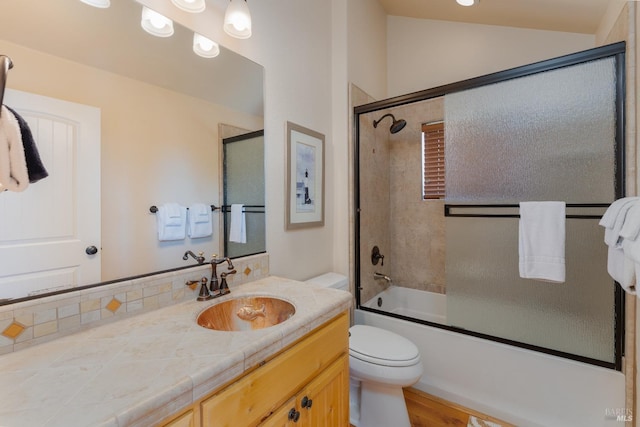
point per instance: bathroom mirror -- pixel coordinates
(160, 109)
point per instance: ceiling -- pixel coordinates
(574, 16)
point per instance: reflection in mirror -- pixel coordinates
(243, 172)
(158, 109)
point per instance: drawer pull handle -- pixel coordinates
(306, 402)
(294, 415)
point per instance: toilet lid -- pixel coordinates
(382, 347)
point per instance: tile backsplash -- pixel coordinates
(28, 323)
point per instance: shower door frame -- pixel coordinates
(616, 51)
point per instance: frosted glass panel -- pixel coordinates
(485, 293)
(549, 136)
(244, 184)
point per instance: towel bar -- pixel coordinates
(449, 207)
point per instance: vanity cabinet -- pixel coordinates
(320, 403)
(310, 378)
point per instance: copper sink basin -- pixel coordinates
(246, 313)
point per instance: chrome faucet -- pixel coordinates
(380, 276)
(213, 283)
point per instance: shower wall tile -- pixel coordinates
(416, 225)
(374, 202)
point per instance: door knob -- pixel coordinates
(91, 250)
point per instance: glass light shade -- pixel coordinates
(192, 6)
(102, 4)
(205, 47)
(155, 23)
(237, 19)
(466, 2)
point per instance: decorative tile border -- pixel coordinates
(28, 323)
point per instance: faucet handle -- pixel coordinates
(204, 292)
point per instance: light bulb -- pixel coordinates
(155, 23)
(102, 4)
(237, 19)
(192, 6)
(466, 2)
(205, 47)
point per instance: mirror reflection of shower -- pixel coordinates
(396, 126)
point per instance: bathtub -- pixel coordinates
(414, 303)
(517, 385)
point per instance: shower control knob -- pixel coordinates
(91, 250)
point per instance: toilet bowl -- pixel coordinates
(381, 363)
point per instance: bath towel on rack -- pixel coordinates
(620, 266)
(542, 240)
(238, 228)
(200, 222)
(13, 166)
(172, 222)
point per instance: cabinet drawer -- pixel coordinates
(255, 396)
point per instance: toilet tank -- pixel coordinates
(330, 280)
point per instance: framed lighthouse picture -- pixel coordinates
(305, 178)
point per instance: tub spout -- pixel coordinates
(380, 276)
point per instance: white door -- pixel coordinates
(45, 231)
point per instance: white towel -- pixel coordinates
(541, 241)
(622, 269)
(237, 229)
(14, 175)
(172, 222)
(200, 223)
(621, 222)
(614, 220)
(609, 218)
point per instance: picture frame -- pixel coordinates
(304, 204)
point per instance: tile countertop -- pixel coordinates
(137, 371)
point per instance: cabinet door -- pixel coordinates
(325, 401)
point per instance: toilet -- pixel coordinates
(381, 363)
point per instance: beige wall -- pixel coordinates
(367, 41)
(426, 53)
(157, 146)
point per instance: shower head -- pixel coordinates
(396, 126)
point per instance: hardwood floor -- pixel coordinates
(426, 410)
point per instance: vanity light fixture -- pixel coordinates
(237, 19)
(102, 4)
(156, 24)
(192, 6)
(467, 2)
(205, 47)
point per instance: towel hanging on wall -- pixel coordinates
(172, 222)
(200, 223)
(13, 166)
(542, 241)
(35, 168)
(237, 229)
